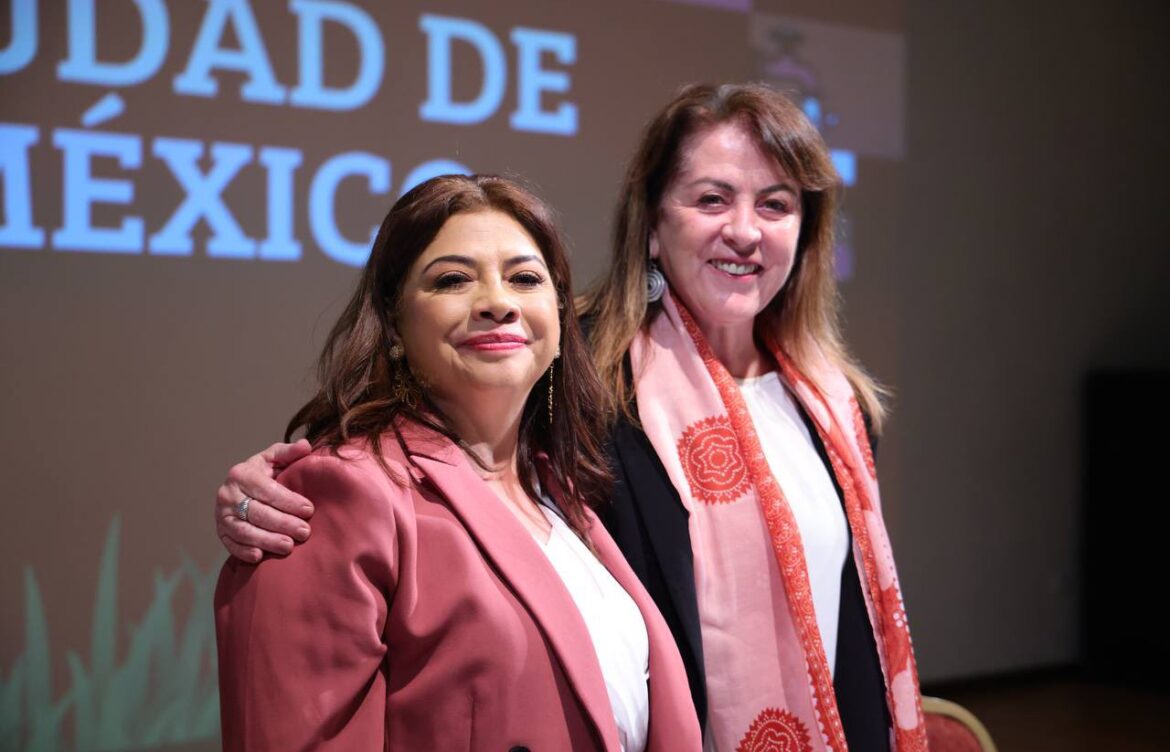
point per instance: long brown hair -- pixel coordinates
(361, 392)
(806, 310)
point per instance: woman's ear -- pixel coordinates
(653, 245)
(395, 343)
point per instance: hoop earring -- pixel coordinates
(655, 282)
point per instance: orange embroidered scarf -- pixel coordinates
(768, 680)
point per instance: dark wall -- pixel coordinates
(1036, 248)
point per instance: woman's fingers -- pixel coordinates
(275, 515)
(244, 535)
(271, 493)
(256, 475)
(282, 455)
(249, 554)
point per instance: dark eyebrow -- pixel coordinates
(725, 186)
(453, 259)
(517, 260)
(469, 262)
(791, 188)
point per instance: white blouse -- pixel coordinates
(615, 625)
(809, 490)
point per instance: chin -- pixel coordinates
(726, 313)
(497, 378)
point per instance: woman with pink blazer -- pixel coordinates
(458, 592)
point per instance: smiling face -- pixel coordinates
(478, 311)
(727, 230)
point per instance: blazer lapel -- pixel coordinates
(673, 723)
(519, 561)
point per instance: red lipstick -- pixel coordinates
(495, 341)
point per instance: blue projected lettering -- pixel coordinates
(846, 164)
(100, 169)
(531, 79)
(208, 54)
(440, 107)
(812, 110)
(534, 80)
(82, 190)
(322, 219)
(203, 195)
(17, 231)
(280, 245)
(82, 64)
(251, 58)
(23, 47)
(311, 91)
(203, 200)
(107, 108)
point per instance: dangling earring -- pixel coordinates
(404, 391)
(405, 388)
(551, 372)
(655, 282)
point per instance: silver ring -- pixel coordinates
(242, 507)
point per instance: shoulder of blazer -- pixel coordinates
(322, 475)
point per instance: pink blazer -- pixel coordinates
(421, 615)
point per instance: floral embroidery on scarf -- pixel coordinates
(713, 462)
(679, 428)
(775, 731)
(862, 438)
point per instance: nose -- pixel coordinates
(742, 233)
(496, 303)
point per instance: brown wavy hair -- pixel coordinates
(804, 313)
(361, 391)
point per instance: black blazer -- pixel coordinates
(649, 523)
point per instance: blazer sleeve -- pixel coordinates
(300, 638)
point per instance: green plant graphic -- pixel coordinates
(163, 690)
